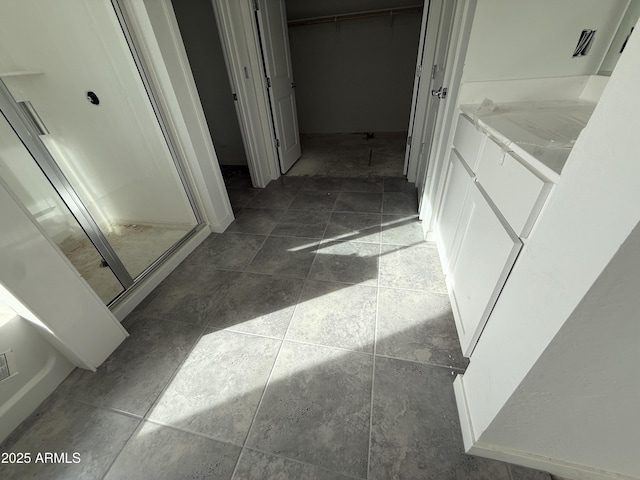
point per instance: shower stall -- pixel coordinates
(83, 146)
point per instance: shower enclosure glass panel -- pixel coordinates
(21, 175)
(68, 66)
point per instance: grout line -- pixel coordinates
(301, 462)
(373, 367)
(275, 361)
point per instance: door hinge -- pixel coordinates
(434, 70)
(235, 97)
(268, 82)
(409, 140)
(277, 143)
(256, 5)
(419, 71)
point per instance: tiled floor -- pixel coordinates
(312, 340)
(352, 154)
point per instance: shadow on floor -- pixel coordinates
(276, 355)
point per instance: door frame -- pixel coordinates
(443, 132)
(420, 99)
(245, 67)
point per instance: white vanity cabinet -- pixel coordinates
(487, 250)
(491, 200)
(458, 180)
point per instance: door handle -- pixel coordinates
(441, 93)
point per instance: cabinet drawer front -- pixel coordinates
(487, 252)
(468, 141)
(517, 191)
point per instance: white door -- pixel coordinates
(435, 96)
(426, 47)
(274, 36)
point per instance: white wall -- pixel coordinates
(581, 396)
(356, 77)
(114, 152)
(515, 39)
(36, 369)
(589, 216)
(628, 22)
(202, 42)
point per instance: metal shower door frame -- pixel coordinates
(29, 135)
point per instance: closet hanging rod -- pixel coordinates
(355, 16)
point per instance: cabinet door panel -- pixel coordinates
(517, 191)
(487, 251)
(456, 187)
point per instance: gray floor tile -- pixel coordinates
(369, 184)
(260, 304)
(238, 180)
(322, 183)
(316, 408)
(62, 425)
(335, 315)
(400, 203)
(523, 473)
(415, 430)
(163, 453)
(295, 223)
(398, 184)
(347, 262)
(231, 251)
(359, 202)
(258, 221)
(354, 227)
(286, 183)
(416, 267)
(133, 376)
(418, 326)
(290, 256)
(254, 465)
(402, 230)
(314, 200)
(217, 390)
(240, 197)
(274, 199)
(189, 295)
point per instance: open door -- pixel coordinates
(435, 95)
(429, 90)
(274, 38)
(417, 83)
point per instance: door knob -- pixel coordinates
(441, 93)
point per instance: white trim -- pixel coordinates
(125, 306)
(242, 56)
(473, 446)
(468, 438)
(169, 71)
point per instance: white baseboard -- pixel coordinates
(554, 466)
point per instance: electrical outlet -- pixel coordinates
(4, 367)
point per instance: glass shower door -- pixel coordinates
(21, 176)
(69, 77)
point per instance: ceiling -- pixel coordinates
(299, 9)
